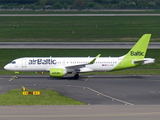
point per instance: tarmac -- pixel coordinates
(83, 112)
(73, 45)
(93, 89)
(111, 97)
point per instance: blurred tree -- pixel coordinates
(97, 1)
(157, 2)
(131, 5)
(90, 4)
(122, 4)
(82, 4)
(32, 6)
(57, 5)
(79, 3)
(42, 4)
(151, 5)
(65, 6)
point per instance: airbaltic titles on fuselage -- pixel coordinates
(42, 62)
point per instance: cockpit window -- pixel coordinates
(13, 62)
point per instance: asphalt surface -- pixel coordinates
(122, 97)
(73, 45)
(88, 112)
(94, 90)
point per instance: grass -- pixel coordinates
(68, 28)
(47, 97)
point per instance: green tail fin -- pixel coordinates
(139, 50)
(136, 55)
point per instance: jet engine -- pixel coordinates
(58, 72)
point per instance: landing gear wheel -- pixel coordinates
(76, 76)
(16, 77)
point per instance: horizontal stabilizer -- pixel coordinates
(145, 61)
(139, 61)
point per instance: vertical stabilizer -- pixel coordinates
(139, 50)
(135, 56)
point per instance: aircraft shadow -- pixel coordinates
(66, 78)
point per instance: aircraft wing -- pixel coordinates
(78, 66)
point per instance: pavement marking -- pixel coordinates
(126, 103)
(113, 99)
(87, 78)
(153, 91)
(12, 78)
(102, 115)
(154, 80)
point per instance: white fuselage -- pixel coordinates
(45, 63)
(71, 64)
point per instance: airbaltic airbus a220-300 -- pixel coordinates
(61, 66)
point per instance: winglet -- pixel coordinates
(98, 55)
(94, 59)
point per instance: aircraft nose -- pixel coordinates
(6, 67)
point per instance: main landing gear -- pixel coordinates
(76, 76)
(16, 76)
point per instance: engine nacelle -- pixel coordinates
(57, 72)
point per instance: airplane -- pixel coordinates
(61, 66)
